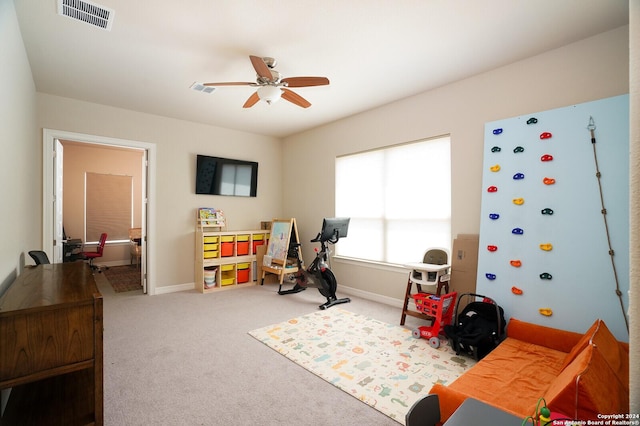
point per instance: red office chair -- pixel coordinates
(92, 255)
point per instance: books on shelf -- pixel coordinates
(209, 216)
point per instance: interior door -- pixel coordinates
(58, 234)
(143, 255)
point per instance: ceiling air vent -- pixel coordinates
(199, 87)
(90, 13)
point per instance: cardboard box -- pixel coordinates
(464, 263)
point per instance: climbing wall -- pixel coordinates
(544, 247)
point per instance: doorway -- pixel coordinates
(52, 194)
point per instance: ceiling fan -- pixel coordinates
(271, 86)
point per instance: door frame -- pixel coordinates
(48, 180)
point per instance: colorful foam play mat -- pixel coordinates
(382, 365)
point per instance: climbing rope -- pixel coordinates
(592, 127)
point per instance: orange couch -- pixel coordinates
(580, 376)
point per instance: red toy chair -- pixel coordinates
(92, 255)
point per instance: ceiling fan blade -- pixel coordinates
(261, 68)
(230, 83)
(253, 99)
(305, 81)
(294, 98)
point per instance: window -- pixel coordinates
(398, 199)
(109, 206)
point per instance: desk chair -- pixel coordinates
(92, 255)
(39, 257)
(135, 244)
(424, 412)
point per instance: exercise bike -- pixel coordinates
(318, 275)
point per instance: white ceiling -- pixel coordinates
(373, 51)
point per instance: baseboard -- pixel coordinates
(174, 288)
(396, 303)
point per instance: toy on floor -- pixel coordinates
(318, 274)
(543, 416)
(440, 308)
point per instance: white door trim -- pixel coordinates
(48, 138)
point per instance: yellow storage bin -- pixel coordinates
(227, 281)
(210, 240)
(226, 238)
(258, 237)
(243, 265)
(225, 268)
(243, 238)
(210, 247)
(210, 254)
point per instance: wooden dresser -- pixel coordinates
(51, 347)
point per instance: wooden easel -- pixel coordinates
(283, 233)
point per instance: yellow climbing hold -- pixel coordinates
(547, 312)
(495, 168)
(546, 247)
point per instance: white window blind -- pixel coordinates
(398, 199)
(109, 206)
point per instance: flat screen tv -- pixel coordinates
(224, 176)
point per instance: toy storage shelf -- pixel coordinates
(226, 259)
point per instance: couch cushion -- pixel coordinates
(553, 338)
(582, 343)
(514, 368)
(587, 387)
(611, 350)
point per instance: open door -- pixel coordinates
(58, 233)
(145, 201)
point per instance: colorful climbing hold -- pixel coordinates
(490, 276)
(545, 276)
(495, 168)
(518, 149)
(496, 149)
(518, 176)
(532, 120)
(516, 290)
(548, 181)
(492, 188)
(497, 131)
(547, 312)
(546, 157)
(517, 231)
(546, 246)
(515, 263)
(494, 216)
(492, 248)
(518, 201)
(547, 211)
(545, 135)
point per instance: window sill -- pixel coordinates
(369, 264)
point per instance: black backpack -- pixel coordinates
(478, 329)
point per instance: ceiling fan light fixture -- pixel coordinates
(269, 93)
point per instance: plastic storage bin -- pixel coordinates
(242, 248)
(243, 272)
(258, 240)
(226, 245)
(227, 274)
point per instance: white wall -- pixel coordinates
(177, 143)
(634, 203)
(557, 78)
(21, 159)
